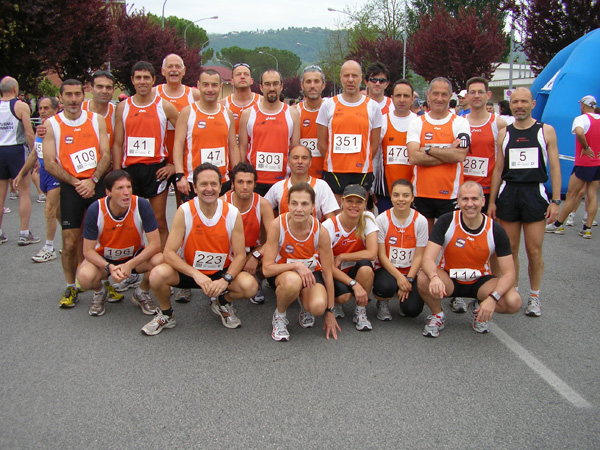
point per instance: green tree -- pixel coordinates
(548, 26)
(288, 62)
(196, 37)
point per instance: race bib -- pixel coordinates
(465, 274)
(474, 166)
(209, 261)
(137, 146)
(310, 263)
(84, 159)
(117, 254)
(347, 143)
(269, 162)
(38, 149)
(401, 257)
(397, 154)
(214, 156)
(311, 144)
(524, 158)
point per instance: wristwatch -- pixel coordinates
(410, 279)
(352, 283)
(227, 277)
(257, 254)
(495, 296)
(332, 309)
(107, 268)
(178, 176)
(556, 202)
(427, 149)
(94, 179)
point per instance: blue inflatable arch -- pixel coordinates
(573, 73)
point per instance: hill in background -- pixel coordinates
(313, 40)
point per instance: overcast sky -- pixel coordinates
(244, 15)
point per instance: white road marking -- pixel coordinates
(549, 377)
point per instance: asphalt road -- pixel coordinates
(74, 381)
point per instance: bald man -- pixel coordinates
(518, 198)
(349, 126)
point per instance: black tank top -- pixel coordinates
(525, 155)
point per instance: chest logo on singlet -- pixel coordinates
(460, 243)
(68, 139)
(289, 248)
(428, 136)
(201, 124)
(235, 116)
(393, 240)
(306, 123)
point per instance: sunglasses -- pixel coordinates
(378, 80)
(235, 66)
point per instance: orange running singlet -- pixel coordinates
(185, 99)
(308, 138)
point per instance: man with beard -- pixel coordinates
(267, 131)
(313, 83)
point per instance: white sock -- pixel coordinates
(278, 314)
(23, 232)
(49, 246)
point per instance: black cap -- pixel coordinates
(355, 189)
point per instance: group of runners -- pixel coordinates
(283, 195)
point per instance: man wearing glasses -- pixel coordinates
(349, 127)
(378, 79)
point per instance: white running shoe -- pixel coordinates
(534, 307)
(44, 255)
(584, 220)
(182, 295)
(159, 323)
(459, 305)
(227, 314)
(133, 281)
(259, 297)
(552, 228)
(144, 301)
(338, 311)
(570, 222)
(433, 326)
(98, 300)
(480, 327)
(383, 310)
(361, 320)
(280, 332)
(307, 320)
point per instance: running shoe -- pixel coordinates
(280, 332)
(7, 210)
(159, 323)
(14, 195)
(552, 228)
(113, 296)
(433, 326)
(3, 238)
(41, 198)
(133, 281)
(534, 307)
(227, 314)
(480, 327)
(570, 222)
(44, 255)
(338, 311)
(307, 320)
(97, 306)
(383, 310)
(69, 298)
(182, 295)
(28, 239)
(144, 301)
(586, 234)
(458, 305)
(78, 286)
(584, 220)
(361, 320)
(259, 298)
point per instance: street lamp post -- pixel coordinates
(192, 23)
(272, 56)
(163, 15)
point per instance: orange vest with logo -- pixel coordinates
(292, 248)
(119, 239)
(308, 138)
(185, 99)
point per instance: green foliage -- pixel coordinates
(196, 36)
(47, 89)
(286, 61)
